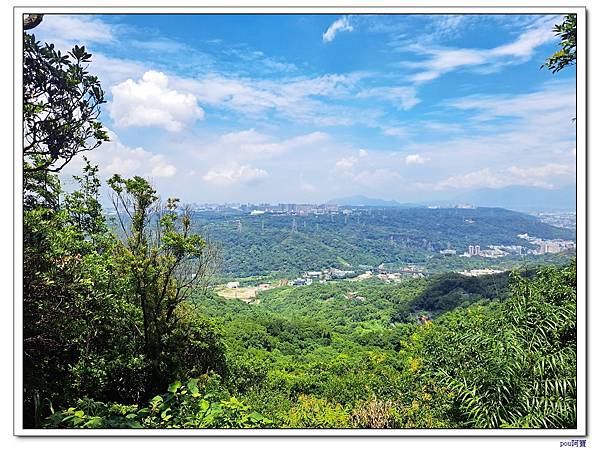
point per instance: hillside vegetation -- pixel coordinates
(310, 357)
(371, 236)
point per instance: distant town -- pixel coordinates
(301, 209)
(532, 245)
(500, 251)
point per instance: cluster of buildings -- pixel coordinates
(493, 251)
(305, 209)
(354, 296)
(480, 272)
(455, 206)
(395, 276)
(323, 276)
(500, 251)
(560, 219)
(547, 246)
(332, 274)
(256, 209)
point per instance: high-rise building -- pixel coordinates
(477, 249)
(471, 250)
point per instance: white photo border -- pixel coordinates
(309, 7)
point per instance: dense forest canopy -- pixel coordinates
(369, 236)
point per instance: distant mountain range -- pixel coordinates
(518, 198)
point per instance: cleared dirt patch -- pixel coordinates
(246, 294)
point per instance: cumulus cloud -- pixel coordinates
(368, 169)
(150, 102)
(415, 159)
(341, 24)
(112, 71)
(116, 157)
(234, 174)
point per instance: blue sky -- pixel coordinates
(304, 108)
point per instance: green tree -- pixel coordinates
(61, 102)
(71, 307)
(567, 55)
(186, 405)
(68, 279)
(163, 262)
(511, 364)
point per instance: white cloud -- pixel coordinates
(250, 143)
(538, 176)
(415, 159)
(111, 71)
(368, 169)
(403, 97)
(537, 106)
(345, 164)
(341, 24)
(299, 99)
(298, 142)
(160, 168)
(524, 46)
(67, 30)
(447, 25)
(259, 60)
(116, 157)
(244, 137)
(541, 172)
(377, 177)
(442, 60)
(234, 174)
(395, 131)
(150, 102)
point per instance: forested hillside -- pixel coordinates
(370, 236)
(317, 357)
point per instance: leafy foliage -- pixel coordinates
(183, 406)
(162, 262)
(83, 330)
(60, 106)
(514, 364)
(76, 326)
(567, 55)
